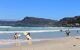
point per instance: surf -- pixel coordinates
(35, 31)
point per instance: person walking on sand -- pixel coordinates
(28, 37)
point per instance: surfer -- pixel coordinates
(61, 30)
(28, 37)
(67, 32)
(77, 31)
(16, 36)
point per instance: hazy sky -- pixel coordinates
(52, 9)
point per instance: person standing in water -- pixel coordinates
(67, 32)
(28, 37)
(16, 36)
(77, 31)
(61, 30)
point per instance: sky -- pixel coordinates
(49, 9)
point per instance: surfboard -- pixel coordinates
(25, 33)
(29, 37)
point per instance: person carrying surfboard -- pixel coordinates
(16, 36)
(28, 37)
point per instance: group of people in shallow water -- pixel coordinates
(67, 32)
(27, 36)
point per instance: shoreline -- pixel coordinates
(11, 42)
(67, 43)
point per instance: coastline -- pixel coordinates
(66, 43)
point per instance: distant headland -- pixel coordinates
(41, 22)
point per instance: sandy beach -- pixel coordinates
(67, 43)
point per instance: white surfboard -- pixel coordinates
(25, 33)
(29, 37)
(19, 35)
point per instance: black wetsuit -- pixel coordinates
(67, 32)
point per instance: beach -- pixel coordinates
(66, 43)
(47, 38)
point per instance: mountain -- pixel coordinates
(70, 21)
(41, 22)
(31, 21)
(7, 23)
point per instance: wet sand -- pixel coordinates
(67, 43)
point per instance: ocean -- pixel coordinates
(37, 33)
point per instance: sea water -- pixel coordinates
(37, 33)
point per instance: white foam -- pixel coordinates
(53, 29)
(38, 30)
(29, 31)
(5, 26)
